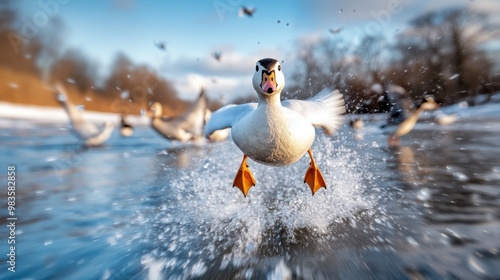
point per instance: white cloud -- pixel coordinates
(218, 88)
(311, 38)
(228, 78)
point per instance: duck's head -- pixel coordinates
(155, 111)
(429, 104)
(268, 79)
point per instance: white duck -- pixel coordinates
(90, 133)
(186, 127)
(277, 133)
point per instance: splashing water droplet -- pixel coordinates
(124, 94)
(460, 176)
(485, 263)
(412, 241)
(424, 194)
(341, 11)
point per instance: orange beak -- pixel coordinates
(268, 82)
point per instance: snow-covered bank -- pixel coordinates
(51, 115)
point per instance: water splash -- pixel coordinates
(201, 219)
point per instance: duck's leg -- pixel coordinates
(313, 177)
(244, 179)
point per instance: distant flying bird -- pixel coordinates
(275, 132)
(246, 11)
(186, 127)
(90, 133)
(335, 31)
(217, 55)
(161, 45)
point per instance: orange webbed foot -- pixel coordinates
(313, 176)
(244, 179)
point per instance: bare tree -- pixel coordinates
(469, 31)
(370, 52)
(322, 64)
(75, 67)
(443, 52)
(132, 87)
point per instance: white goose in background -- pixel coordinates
(186, 127)
(92, 134)
(277, 133)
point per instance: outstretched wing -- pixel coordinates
(325, 109)
(192, 120)
(62, 97)
(227, 115)
(83, 128)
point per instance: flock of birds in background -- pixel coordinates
(271, 132)
(242, 12)
(185, 127)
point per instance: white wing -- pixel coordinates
(325, 109)
(227, 115)
(83, 128)
(192, 120)
(102, 136)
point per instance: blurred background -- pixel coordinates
(120, 55)
(143, 207)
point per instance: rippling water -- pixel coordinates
(133, 209)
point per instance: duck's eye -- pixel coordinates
(256, 68)
(279, 67)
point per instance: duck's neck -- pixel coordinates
(273, 100)
(414, 117)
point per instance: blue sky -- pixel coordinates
(193, 30)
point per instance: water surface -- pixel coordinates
(144, 208)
